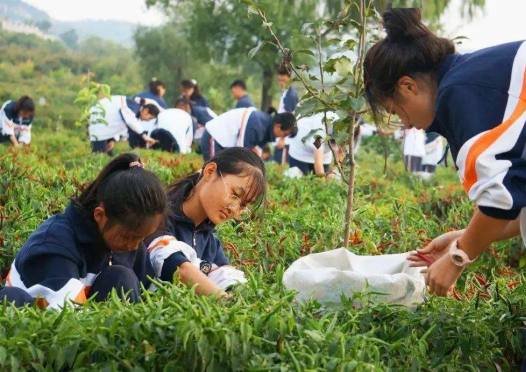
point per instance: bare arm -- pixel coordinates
(191, 275)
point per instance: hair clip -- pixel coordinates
(136, 164)
(194, 81)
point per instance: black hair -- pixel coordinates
(239, 83)
(233, 161)
(152, 109)
(182, 101)
(24, 103)
(187, 84)
(155, 86)
(272, 110)
(409, 48)
(287, 121)
(128, 192)
(284, 70)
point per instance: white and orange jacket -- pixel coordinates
(481, 111)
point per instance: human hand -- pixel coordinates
(434, 250)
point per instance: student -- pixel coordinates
(174, 128)
(307, 152)
(239, 92)
(112, 117)
(476, 101)
(228, 186)
(95, 245)
(16, 119)
(156, 91)
(414, 149)
(190, 90)
(287, 103)
(245, 127)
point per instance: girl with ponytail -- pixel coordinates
(95, 246)
(477, 101)
(229, 186)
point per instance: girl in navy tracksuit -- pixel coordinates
(156, 91)
(245, 127)
(477, 101)
(224, 189)
(95, 245)
(16, 120)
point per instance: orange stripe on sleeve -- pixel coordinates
(490, 137)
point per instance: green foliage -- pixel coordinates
(261, 327)
(52, 74)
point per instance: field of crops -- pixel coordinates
(261, 327)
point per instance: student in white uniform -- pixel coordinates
(307, 150)
(245, 127)
(174, 128)
(414, 149)
(16, 119)
(287, 103)
(114, 115)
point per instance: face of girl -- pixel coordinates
(413, 103)
(187, 92)
(118, 237)
(25, 114)
(146, 115)
(223, 197)
(283, 80)
(162, 91)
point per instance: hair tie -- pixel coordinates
(136, 163)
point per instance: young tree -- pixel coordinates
(220, 31)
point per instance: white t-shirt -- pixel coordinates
(9, 128)
(225, 129)
(302, 145)
(414, 142)
(179, 124)
(110, 118)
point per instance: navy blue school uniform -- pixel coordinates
(202, 239)
(12, 124)
(257, 132)
(66, 259)
(244, 101)
(289, 100)
(481, 111)
(201, 114)
(149, 95)
(199, 101)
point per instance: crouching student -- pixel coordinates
(113, 116)
(226, 188)
(245, 127)
(16, 119)
(307, 150)
(174, 128)
(95, 245)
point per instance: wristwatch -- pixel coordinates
(457, 255)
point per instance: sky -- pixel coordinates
(133, 11)
(501, 21)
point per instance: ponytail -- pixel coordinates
(128, 192)
(409, 48)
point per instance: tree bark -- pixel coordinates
(268, 79)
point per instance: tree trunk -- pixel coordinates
(350, 190)
(266, 98)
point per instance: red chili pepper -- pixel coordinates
(424, 257)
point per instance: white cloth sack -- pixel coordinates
(327, 276)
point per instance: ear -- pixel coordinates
(209, 171)
(407, 86)
(99, 215)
